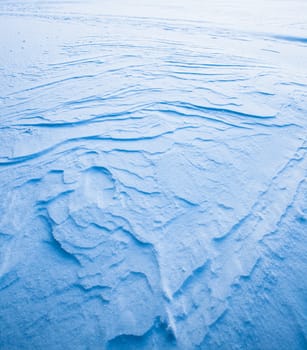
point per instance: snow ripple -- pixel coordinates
(152, 179)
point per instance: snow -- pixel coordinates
(153, 175)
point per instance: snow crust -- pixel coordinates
(153, 175)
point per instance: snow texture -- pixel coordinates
(152, 175)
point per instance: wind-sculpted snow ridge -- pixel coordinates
(153, 175)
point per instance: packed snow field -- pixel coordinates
(152, 175)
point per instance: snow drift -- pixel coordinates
(152, 166)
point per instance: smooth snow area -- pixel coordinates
(152, 175)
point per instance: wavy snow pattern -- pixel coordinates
(153, 165)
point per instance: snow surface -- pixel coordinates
(152, 174)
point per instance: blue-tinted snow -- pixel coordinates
(152, 175)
